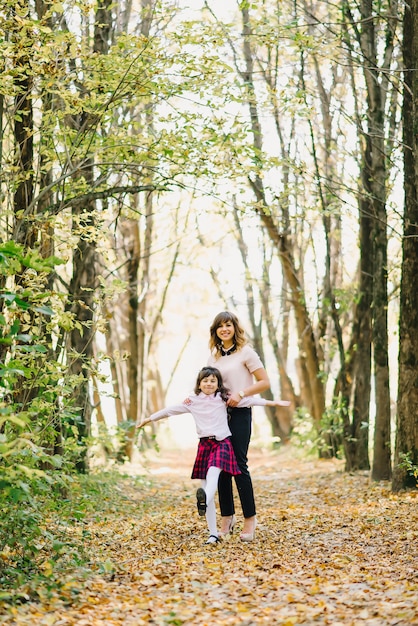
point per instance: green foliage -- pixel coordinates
(406, 463)
(36, 415)
(330, 441)
(44, 531)
(113, 443)
(23, 524)
(326, 442)
(304, 434)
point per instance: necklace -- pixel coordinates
(227, 351)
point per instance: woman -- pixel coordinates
(244, 375)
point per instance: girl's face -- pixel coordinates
(226, 332)
(209, 384)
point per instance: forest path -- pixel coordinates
(330, 549)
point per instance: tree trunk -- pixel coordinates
(282, 419)
(376, 162)
(80, 340)
(132, 245)
(139, 401)
(23, 132)
(358, 456)
(371, 315)
(23, 230)
(406, 446)
(112, 348)
(83, 280)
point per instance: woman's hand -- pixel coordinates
(233, 399)
(143, 423)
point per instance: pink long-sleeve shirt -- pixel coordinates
(209, 413)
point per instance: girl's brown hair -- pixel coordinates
(215, 343)
(211, 371)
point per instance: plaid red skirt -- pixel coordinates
(213, 453)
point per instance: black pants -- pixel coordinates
(240, 426)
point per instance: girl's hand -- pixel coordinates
(143, 423)
(233, 399)
(282, 403)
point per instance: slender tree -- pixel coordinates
(24, 231)
(84, 262)
(405, 470)
(376, 67)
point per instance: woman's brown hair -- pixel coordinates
(215, 343)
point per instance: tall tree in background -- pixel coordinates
(376, 66)
(376, 159)
(24, 231)
(137, 234)
(405, 468)
(260, 316)
(323, 139)
(84, 262)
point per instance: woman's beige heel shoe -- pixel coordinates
(249, 536)
(232, 522)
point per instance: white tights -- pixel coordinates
(210, 485)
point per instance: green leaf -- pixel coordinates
(36, 348)
(24, 337)
(46, 310)
(11, 248)
(14, 420)
(8, 297)
(16, 494)
(22, 304)
(11, 370)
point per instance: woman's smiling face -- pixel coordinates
(226, 333)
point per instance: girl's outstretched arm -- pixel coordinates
(145, 421)
(277, 403)
(257, 401)
(175, 409)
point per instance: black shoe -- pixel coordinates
(201, 501)
(212, 539)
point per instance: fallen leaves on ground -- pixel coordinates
(331, 548)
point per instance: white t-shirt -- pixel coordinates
(209, 413)
(237, 369)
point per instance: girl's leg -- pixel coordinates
(210, 486)
(212, 482)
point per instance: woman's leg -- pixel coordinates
(240, 426)
(226, 497)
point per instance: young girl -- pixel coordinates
(214, 453)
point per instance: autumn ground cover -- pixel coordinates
(331, 549)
